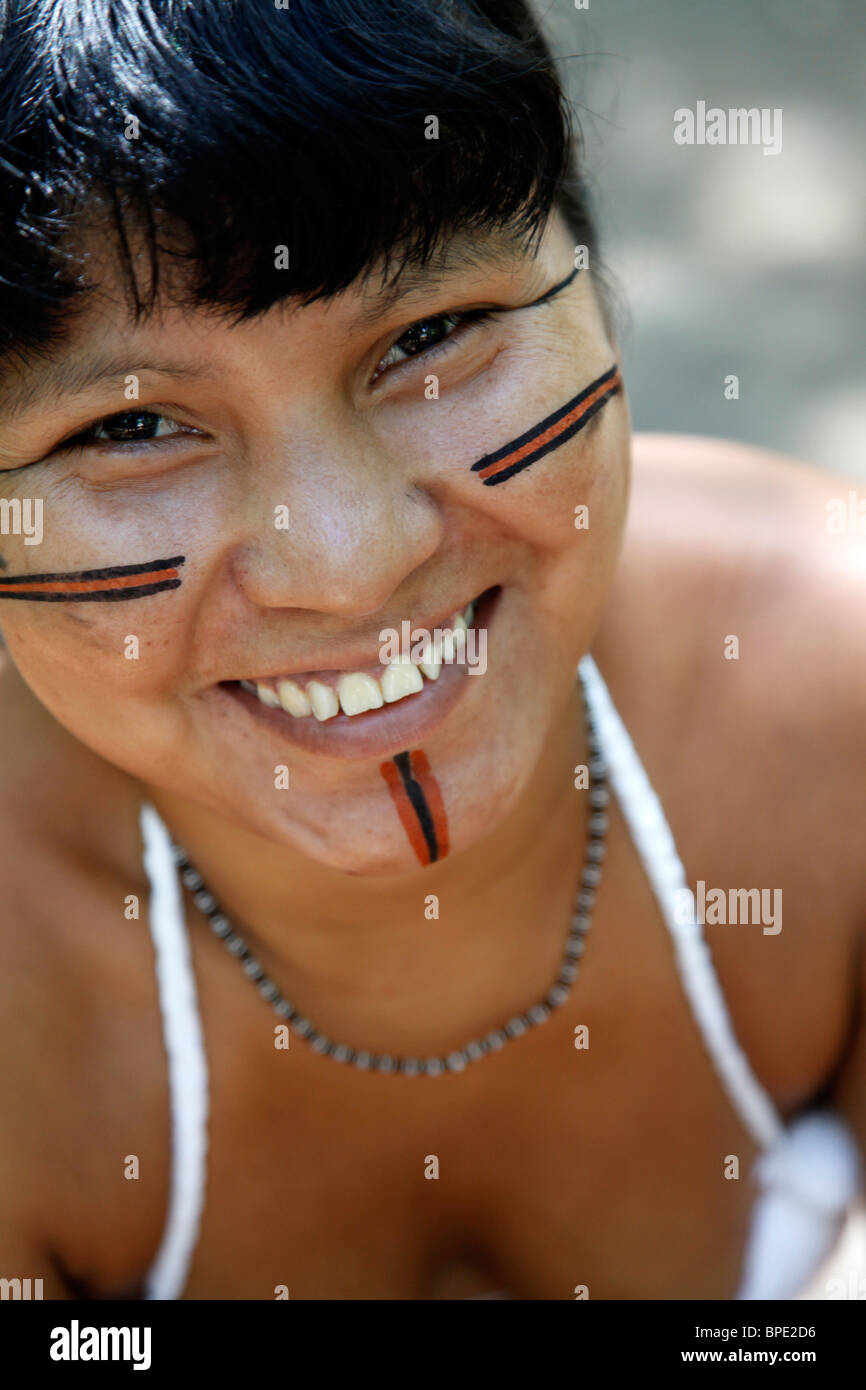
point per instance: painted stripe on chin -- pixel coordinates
(418, 800)
(550, 432)
(96, 586)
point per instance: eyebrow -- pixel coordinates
(64, 378)
(450, 258)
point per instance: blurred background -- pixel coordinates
(729, 260)
(724, 259)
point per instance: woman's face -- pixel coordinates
(314, 470)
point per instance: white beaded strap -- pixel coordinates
(187, 1064)
(655, 844)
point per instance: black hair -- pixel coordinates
(215, 131)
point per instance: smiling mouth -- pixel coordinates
(324, 695)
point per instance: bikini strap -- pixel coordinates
(655, 844)
(187, 1063)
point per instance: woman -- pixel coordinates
(305, 338)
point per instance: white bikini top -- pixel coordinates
(808, 1172)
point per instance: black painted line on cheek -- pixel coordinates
(555, 429)
(114, 584)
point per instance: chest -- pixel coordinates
(617, 1167)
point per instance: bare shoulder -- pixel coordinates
(742, 586)
(77, 999)
(734, 644)
(759, 537)
(68, 847)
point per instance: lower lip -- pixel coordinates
(376, 732)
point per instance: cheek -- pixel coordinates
(565, 516)
(96, 644)
(549, 435)
(569, 506)
(575, 498)
(101, 611)
(99, 672)
(581, 529)
(541, 454)
(110, 673)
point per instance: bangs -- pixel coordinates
(266, 152)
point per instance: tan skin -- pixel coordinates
(558, 1167)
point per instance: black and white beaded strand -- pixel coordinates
(556, 996)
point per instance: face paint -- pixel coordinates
(552, 431)
(416, 795)
(96, 586)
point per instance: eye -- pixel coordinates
(128, 427)
(427, 335)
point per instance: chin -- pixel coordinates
(379, 845)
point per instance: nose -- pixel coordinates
(337, 534)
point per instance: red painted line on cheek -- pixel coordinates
(551, 432)
(101, 585)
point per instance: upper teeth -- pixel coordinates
(356, 691)
(401, 678)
